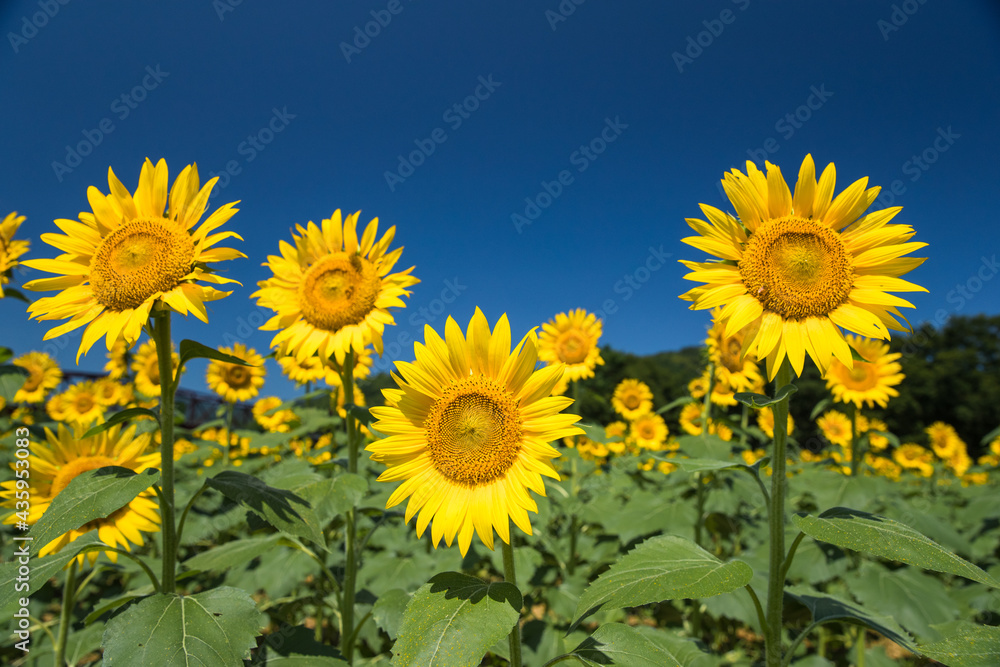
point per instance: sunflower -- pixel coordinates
(81, 404)
(363, 362)
(737, 372)
(133, 253)
(690, 418)
(877, 442)
(10, 250)
(67, 454)
(836, 427)
(234, 382)
(571, 339)
(632, 399)
(118, 360)
(914, 457)
(310, 369)
(751, 456)
(944, 440)
(468, 431)
(55, 408)
(332, 292)
(869, 381)
(271, 419)
(765, 422)
(722, 393)
(884, 467)
(649, 431)
(146, 366)
(796, 267)
(44, 375)
(108, 392)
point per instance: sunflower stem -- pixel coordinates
(350, 551)
(65, 615)
(855, 462)
(510, 576)
(776, 524)
(229, 436)
(168, 385)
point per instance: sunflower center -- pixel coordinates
(474, 431)
(647, 431)
(84, 403)
(631, 401)
(140, 259)
(35, 376)
(797, 268)
(76, 467)
(338, 290)
(731, 351)
(237, 377)
(573, 346)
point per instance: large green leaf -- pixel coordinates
(618, 644)
(42, 569)
(885, 538)
(389, 609)
(231, 554)
(12, 378)
(705, 446)
(281, 508)
(825, 607)
(972, 646)
(662, 568)
(296, 646)
(915, 600)
(214, 628)
(453, 620)
(192, 349)
(93, 494)
(120, 417)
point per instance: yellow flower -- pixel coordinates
(131, 254)
(765, 421)
(64, 455)
(55, 408)
(271, 419)
(735, 371)
(722, 393)
(571, 339)
(363, 362)
(81, 404)
(311, 369)
(145, 365)
(995, 445)
(690, 418)
(960, 461)
(836, 427)
(914, 457)
(43, 375)
(751, 456)
(468, 431)
(234, 382)
(975, 478)
(108, 392)
(632, 399)
(10, 250)
(796, 267)
(877, 443)
(944, 440)
(649, 431)
(884, 467)
(870, 382)
(331, 291)
(118, 360)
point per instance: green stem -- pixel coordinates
(791, 555)
(184, 514)
(855, 458)
(776, 523)
(859, 645)
(168, 385)
(66, 615)
(510, 576)
(798, 640)
(760, 610)
(347, 634)
(229, 436)
(744, 424)
(574, 528)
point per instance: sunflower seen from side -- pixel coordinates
(869, 382)
(795, 268)
(146, 366)
(469, 430)
(134, 252)
(332, 291)
(11, 249)
(236, 382)
(571, 339)
(44, 375)
(725, 353)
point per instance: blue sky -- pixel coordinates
(639, 108)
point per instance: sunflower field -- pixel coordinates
(493, 500)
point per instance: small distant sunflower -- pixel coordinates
(132, 253)
(836, 427)
(271, 419)
(914, 457)
(722, 393)
(108, 392)
(632, 399)
(55, 408)
(81, 404)
(649, 431)
(876, 441)
(690, 418)
(738, 372)
(44, 375)
(571, 339)
(66, 454)
(796, 267)
(870, 382)
(884, 467)
(234, 382)
(311, 369)
(10, 250)
(765, 422)
(363, 363)
(468, 432)
(751, 456)
(960, 461)
(146, 366)
(118, 360)
(944, 440)
(332, 291)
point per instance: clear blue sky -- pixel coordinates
(212, 82)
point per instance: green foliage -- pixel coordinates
(972, 646)
(617, 644)
(118, 418)
(825, 607)
(12, 378)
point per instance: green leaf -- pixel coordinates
(6, 354)
(9, 292)
(190, 349)
(819, 407)
(597, 433)
(885, 538)
(676, 403)
(362, 414)
(988, 438)
(662, 568)
(453, 620)
(120, 417)
(826, 607)
(12, 378)
(296, 646)
(42, 569)
(93, 494)
(702, 465)
(233, 553)
(973, 646)
(389, 609)
(760, 400)
(705, 446)
(282, 509)
(619, 644)
(216, 627)
(915, 600)
(857, 357)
